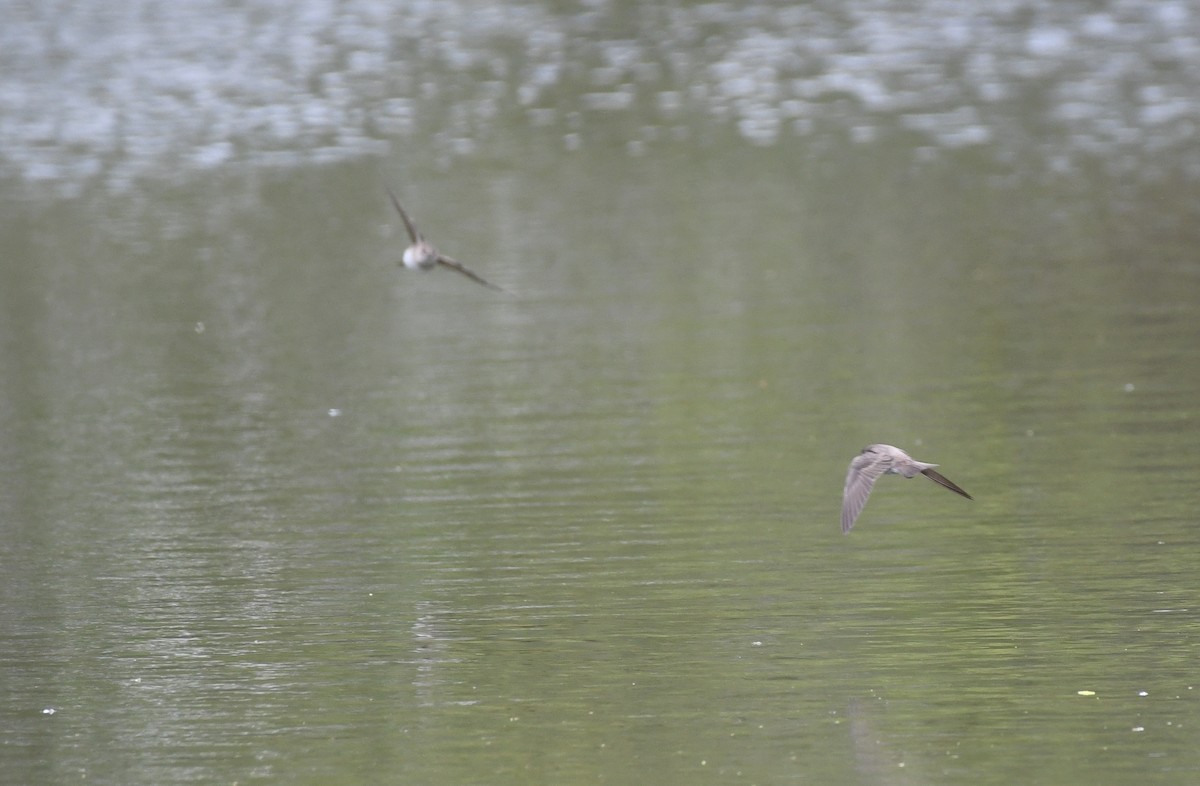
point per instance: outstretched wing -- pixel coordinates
(461, 268)
(413, 234)
(864, 470)
(941, 480)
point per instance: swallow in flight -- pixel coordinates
(421, 255)
(876, 460)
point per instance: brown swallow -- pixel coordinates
(421, 255)
(876, 460)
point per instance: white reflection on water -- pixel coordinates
(138, 88)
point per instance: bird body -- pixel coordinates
(420, 256)
(877, 460)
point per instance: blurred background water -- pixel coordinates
(274, 510)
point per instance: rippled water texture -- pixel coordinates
(143, 88)
(273, 509)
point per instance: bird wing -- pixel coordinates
(461, 268)
(864, 470)
(413, 234)
(942, 480)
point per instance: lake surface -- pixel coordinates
(275, 510)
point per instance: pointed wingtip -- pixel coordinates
(945, 482)
(413, 234)
(459, 267)
(849, 516)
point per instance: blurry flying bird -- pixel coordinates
(421, 255)
(876, 460)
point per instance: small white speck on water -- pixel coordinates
(334, 412)
(1128, 387)
(199, 327)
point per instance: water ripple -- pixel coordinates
(151, 87)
